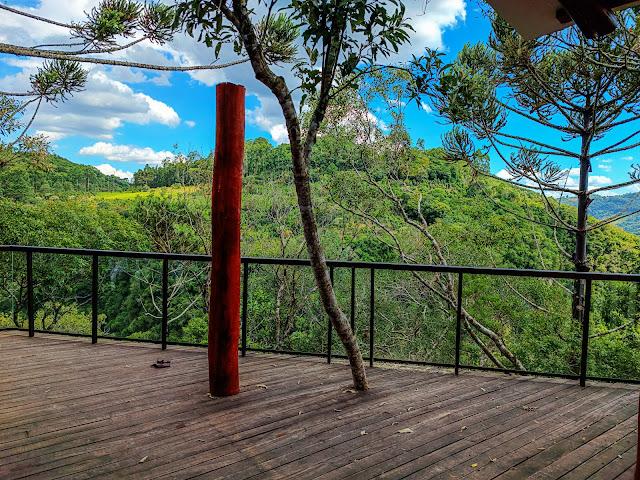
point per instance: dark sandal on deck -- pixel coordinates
(162, 364)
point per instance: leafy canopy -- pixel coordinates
(358, 32)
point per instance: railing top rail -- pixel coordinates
(512, 272)
(105, 253)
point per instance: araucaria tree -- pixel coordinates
(542, 106)
(340, 39)
(54, 82)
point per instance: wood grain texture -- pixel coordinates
(226, 197)
(70, 409)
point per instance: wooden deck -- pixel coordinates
(69, 409)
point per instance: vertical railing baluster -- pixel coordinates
(329, 326)
(585, 334)
(458, 323)
(353, 300)
(371, 317)
(94, 299)
(245, 296)
(165, 301)
(30, 310)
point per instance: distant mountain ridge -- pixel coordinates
(604, 207)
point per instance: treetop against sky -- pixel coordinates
(129, 117)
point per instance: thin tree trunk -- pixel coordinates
(580, 255)
(321, 273)
(300, 152)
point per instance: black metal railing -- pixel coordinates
(587, 277)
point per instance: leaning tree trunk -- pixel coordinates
(300, 152)
(321, 273)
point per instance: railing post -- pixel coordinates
(585, 334)
(94, 299)
(371, 316)
(458, 323)
(30, 310)
(245, 296)
(329, 326)
(165, 301)
(353, 300)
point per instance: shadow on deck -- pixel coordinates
(69, 408)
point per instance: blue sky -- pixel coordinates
(129, 117)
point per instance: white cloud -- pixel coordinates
(106, 105)
(597, 181)
(161, 80)
(126, 153)
(371, 119)
(570, 182)
(107, 169)
(607, 160)
(268, 116)
(52, 136)
(426, 107)
(69, 10)
(397, 103)
(635, 188)
(430, 21)
(190, 123)
(628, 158)
(158, 111)
(19, 62)
(129, 75)
(279, 133)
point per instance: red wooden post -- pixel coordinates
(224, 308)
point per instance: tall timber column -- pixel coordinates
(224, 308)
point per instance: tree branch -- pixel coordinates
(35, 17)
(33, 52)
(602, 334)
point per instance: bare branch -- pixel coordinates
(609, 220)
(614, 187)
(34, 52)
(612, 148)
(35, 17)
(608, 332)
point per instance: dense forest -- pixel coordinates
(406, 205)
(59, 178)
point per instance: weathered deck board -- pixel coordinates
(69, 409)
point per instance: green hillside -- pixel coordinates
(605, 207)
(415, 209)
(60, 178)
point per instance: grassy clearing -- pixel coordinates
(162, 191)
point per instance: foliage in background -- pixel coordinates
(283, 309)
